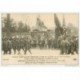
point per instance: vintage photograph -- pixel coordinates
(40, 38)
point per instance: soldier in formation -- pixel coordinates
(67, 45)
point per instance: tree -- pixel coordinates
(20, 27)
(7, 24)
(27, 28)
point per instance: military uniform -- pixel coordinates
(64, 46)
(7, 45)
(14, 45)
(27, 45)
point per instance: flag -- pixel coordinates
(56, 20)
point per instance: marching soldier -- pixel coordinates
(76, 45)
(64, 46)
(18, 45)
(14, 44)
(7, 45)
(27, 45)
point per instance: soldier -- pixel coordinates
(10, 45)
(60, 38)
(7, 45)
(18, 45)
(50, 43)
(72, 46)
(4, 46)
(14, 44)
(34, 43)
(64, 45)
(22, 44)
(27, 45)
(76, 45)
(45, 44)
(41, 43)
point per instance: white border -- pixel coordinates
(37, 72)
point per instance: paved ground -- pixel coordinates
(52, 56)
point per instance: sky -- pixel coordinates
(47, 18)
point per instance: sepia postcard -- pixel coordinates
(40, 38)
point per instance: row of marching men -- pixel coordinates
(16, 44)
(26, 43)
(67, 45)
